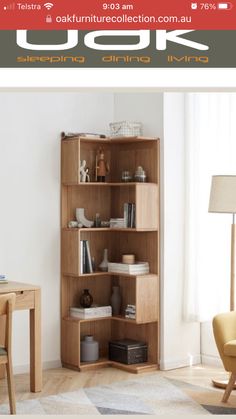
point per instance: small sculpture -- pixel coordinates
(81, 219)
(73, 224)
(102, 167)
(140, 175)
(83, 170)
(87, 174)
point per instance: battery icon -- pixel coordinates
(224, 6)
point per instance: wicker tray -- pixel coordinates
(125, 129)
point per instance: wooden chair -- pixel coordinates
(224, 328)
(7, 303)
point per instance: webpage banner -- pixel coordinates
(117, 48)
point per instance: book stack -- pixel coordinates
(130, 311)
(3, 279)
(86, 266)
(91, 312)
(117, 223)
(138, 268)
(68, 135)
(129, 215)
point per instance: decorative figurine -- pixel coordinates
(73, 224)
(140, 175)
(102, 167)
(83, 170)
(87, 174)
(81, 219)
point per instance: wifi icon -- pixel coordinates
(48, 5)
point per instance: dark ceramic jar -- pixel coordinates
(86, 299)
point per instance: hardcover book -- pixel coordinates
(85, 258)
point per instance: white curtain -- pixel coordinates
(210, 150)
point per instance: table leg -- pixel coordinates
(2, 371)
(35, 345)
(2, 336)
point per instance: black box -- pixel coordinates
(128, 351)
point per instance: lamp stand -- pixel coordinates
(223, 383)
(232, 270)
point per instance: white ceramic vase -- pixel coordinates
(104, 264)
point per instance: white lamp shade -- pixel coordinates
(223, 194)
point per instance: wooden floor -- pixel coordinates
(62, 380)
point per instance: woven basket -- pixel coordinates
(125, 129)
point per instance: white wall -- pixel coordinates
(144, 107)
(30, 198)
(180, 340)
(209, 352)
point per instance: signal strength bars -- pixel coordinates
(9, 7)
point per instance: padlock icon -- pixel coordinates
(48, 19)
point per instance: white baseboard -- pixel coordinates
(212, 360)
(180, 363)
(23, 369)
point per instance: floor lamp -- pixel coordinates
(223, 200)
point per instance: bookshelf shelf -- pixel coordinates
(125, 230)
(108, 274)
(107, 199)
(136, 368)
(105, 362)
(96, 319)
(108, 184)
(102, 362)
(93, 319)
(110, 140)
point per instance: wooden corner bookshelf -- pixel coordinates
(108, 198)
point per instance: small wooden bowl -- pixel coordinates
(128, 259)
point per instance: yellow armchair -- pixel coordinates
(224, 328)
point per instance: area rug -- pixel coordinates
(146, 395)
(208, 397)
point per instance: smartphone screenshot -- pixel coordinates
(117, 208)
